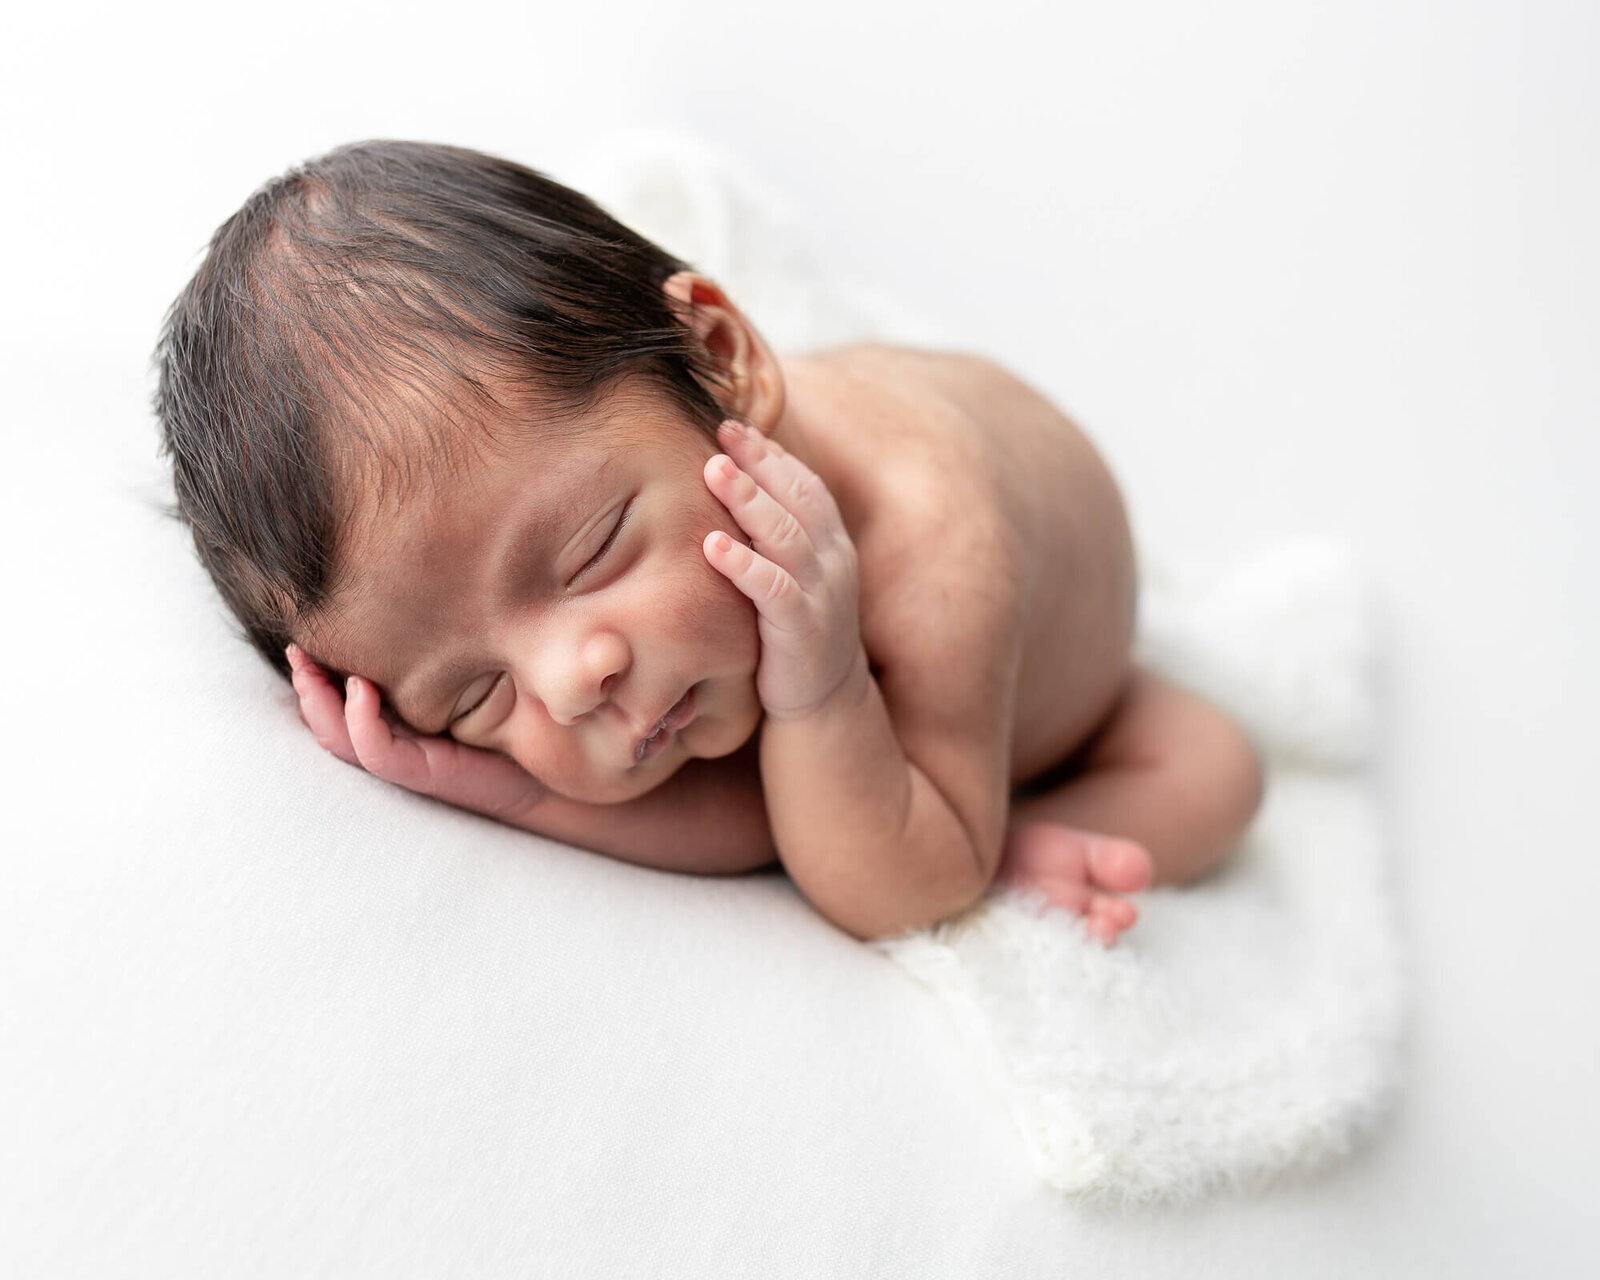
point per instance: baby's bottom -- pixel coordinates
(1162, 793)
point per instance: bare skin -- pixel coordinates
(882, 633)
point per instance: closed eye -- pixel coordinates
(605, 546)
(479, 701)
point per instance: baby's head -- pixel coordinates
(415, 397)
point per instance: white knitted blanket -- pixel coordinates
(1244, 1027)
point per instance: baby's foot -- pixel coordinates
(1079, 871)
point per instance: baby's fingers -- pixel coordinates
(774, 593)
(321, 707)
(396, 758)
(792, 486)
(772, 530)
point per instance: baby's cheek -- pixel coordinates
(689, 598)
(519, 738)
(561, 759)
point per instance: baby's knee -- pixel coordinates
(1210, 769)
(1226, 772)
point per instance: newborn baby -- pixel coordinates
(540, 526)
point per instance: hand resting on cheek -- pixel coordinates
(799, 570)
(707, 819)
(354, 728)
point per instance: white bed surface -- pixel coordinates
(1298, 269)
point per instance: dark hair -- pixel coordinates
(384, 281)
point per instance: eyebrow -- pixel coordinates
(533, 532)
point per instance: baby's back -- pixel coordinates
(993, 542)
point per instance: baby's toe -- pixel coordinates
(1121, 866)
(1109, 918)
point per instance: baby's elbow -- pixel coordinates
(887, 908)
(895, 920)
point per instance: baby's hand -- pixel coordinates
(799, 570)
(353, 728)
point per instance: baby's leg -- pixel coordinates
(1165, 789)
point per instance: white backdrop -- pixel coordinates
(1299, 268)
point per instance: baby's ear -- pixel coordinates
(749, 379)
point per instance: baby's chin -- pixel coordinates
(630, 786)
(618, 788)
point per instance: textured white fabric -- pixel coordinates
(1248, 1025)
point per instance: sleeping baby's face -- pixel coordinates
(547, 597)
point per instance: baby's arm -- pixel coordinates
(883, 830)
(709, 817)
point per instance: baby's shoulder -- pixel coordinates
(901, 438)
(922, 481)
(922, 387)
(892, 412)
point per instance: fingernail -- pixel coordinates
(721, 542)
(349, 686)
(732, 428)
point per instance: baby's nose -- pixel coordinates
(589, 677)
